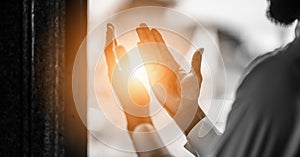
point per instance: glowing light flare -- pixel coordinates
(139, 87)
(142, 75)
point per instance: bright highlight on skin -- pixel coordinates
(139, 87)
(141, 75)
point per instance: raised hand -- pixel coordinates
(132, 94)
(180, 91)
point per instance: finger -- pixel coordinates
(165, 53)
(158, 37)
(123, 60)
(120, 51)
(109, 49)
(144, 34)
(196, 63)
(110, 35)
(110, 61)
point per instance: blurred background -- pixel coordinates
(240, 29)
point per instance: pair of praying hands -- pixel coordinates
(176, 90)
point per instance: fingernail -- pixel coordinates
(110, 26)
(201, 50)
(143, 25)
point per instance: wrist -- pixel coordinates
(197, 118)
(134, 121)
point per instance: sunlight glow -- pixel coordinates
(141, 75)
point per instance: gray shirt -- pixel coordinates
(265, 116)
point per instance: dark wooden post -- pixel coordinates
(37, 112)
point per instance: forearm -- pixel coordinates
(147, 142)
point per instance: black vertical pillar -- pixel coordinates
(11, 106)
(37, 112)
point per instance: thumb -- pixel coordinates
(196, 64)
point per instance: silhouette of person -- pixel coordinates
(265, 116)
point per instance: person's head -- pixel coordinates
(283, 12)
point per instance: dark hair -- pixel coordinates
(283, 12)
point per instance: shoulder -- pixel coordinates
(273, 78)
(273, 66)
